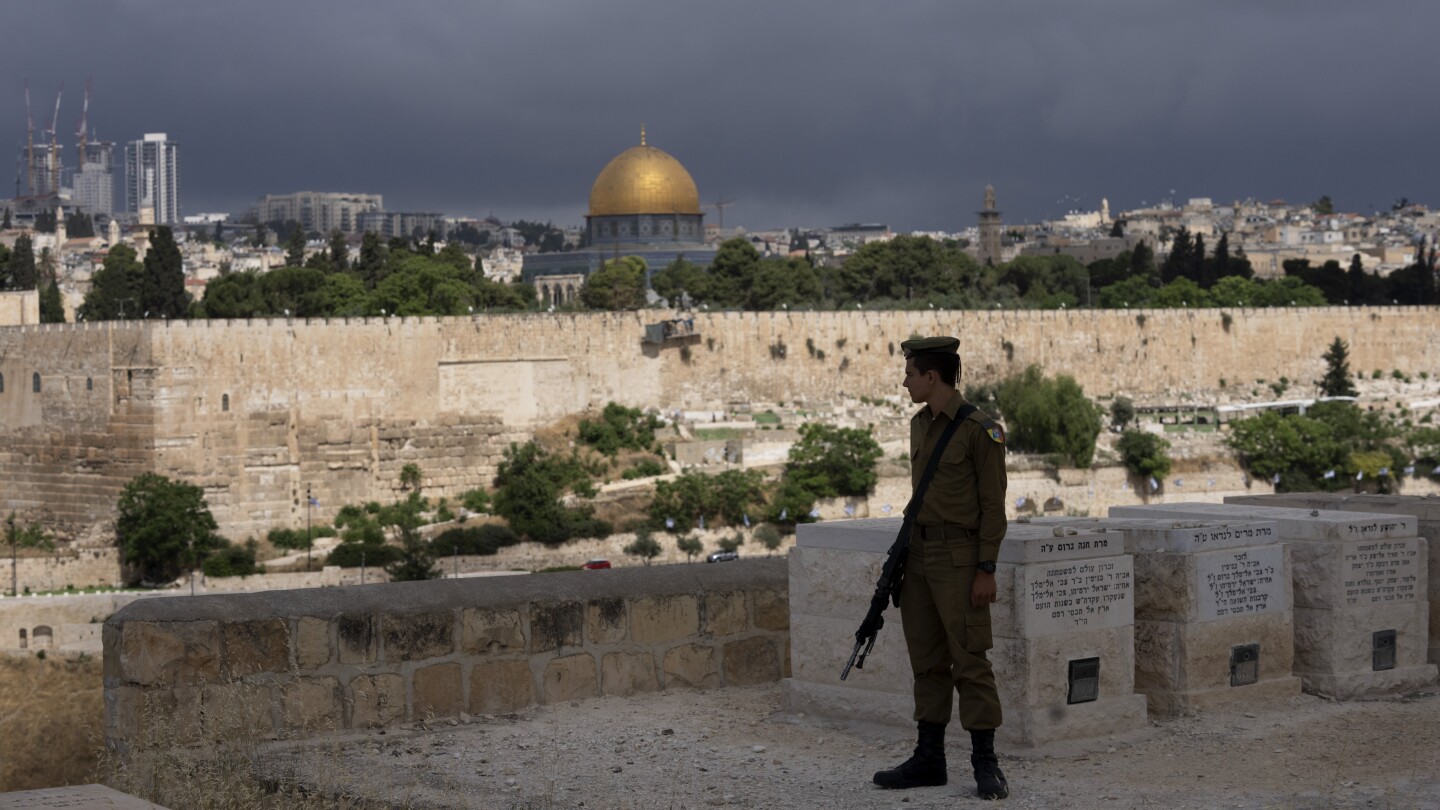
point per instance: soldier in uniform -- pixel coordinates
(949, 580)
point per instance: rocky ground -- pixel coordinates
(738, 747)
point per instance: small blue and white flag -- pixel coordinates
(1384, 471)
(1410, 469)
(746, 517)
(1359, 475)
(850, 509)
(1154, 485)
(1020, 501)
(702, 521)
(885, 508)
(1329, 474)
(669, 522)
(784, 513)
(1179, 482)
(1274, 480)
(1210, 483)
(1436, 471)
(815, 513)
(314, 502)
(1125, 486)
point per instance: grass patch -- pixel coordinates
(51, 713)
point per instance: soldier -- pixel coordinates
(949, 580)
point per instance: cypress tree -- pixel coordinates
(1337, 382)
(23, 275)
(163, 291)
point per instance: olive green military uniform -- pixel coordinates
(960, 524)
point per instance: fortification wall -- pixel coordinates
(69, 568)
(291, 663)
(18, 307)
(69, 622)
(256, 411)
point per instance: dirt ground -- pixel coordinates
(738, 747)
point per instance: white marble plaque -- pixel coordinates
(1077, 595)
(1045, 545)
(1240, 583)
(1294, 524)
(1381, 572)
(80, 797)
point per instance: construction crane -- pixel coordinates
(719, 205)
(29, 142)
(81, 134)
(55, 143)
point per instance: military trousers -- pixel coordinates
(947, 637)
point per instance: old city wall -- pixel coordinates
(68, 622)
(256, 411)
(81, 567)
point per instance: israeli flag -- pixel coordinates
(1384, 471)
(1211, 482)
(885, 508)
(702, 521)
(784, 513)
(1329, 474)
(1359, 475)
(1410, 470)
(1179, 482)
(1125, 486)
(1154, 485)
(1436, 471)
(669, 523)
(1020, 501)
(850, 509)
(746, 516)
(815, 513)
(314, 502)
(1274, 480)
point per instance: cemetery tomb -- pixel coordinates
(1361, 612)
(1426, 510)
(1213, 610)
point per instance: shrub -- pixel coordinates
(527, 494)
(1144, 454)
(646, 547)
(769, 537)
(231, 561)
(645, 468)
(689, 545)
(296, 539)
(477, 540)
(353, 555)
(476, 500)
(619, 428)
(732, 542)
(829, 461)
(1050, 415)
(1122, 411)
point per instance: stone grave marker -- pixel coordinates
(1213, 612)
(1426, 510)
(80, 797)
(1063, 632)
(1360, 606)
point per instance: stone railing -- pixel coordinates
(286, 663)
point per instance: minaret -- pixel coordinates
(991, 227)
(60, 234)
(1104, 210)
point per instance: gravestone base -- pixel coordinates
(1261, 693)
(1036, 670)
(1338, 646)
(1386, 683)
(1183, 667)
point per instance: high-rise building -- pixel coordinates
(319, 211)
(152, 178)
(94, 183)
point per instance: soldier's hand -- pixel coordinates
(982, 593)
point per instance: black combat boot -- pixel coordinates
(926, 768)
(989, 780)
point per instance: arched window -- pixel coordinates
(224, 402)
(43, 637)
(89, 383)
(24, 640)
(35, 382)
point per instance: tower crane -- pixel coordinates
(81, 134)
(720, 205)
(55, 143)
(29, 142)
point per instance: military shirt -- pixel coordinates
(969, 485)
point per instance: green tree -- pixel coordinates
(17, 537)
(619, 284)
(1144, 454)
(1337, 381)
(731, 543)
(295, 247)
(5, 223)
(1135, 291)
(416, 560)
(618, 428)
(1122, 412)
(162, 292)
(23, 274)
(1323, 206)
(52, 308)
(689, 545)
(339, 252)
(231, 560)
(528, 486)
(371, 266)
(769, 537)
(163, 525)
(410, 476)
(646, 547)
(831, 461)
(1050, 415)
(681, 277)
(115, 287)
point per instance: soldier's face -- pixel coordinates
(916, 383)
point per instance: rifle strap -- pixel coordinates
(916, 499)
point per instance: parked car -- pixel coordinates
(596, 565)
(723, 556)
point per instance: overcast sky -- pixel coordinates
(805, 113)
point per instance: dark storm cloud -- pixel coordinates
(803, 112)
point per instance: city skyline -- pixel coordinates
(802, 116)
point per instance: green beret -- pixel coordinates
(930, 345)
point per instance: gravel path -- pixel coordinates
(737, 748)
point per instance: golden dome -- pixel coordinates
(643, 180)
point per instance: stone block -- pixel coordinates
(248, 648)
(357, 641)
(1035, 672)
(556, 625)
(605, 621)
(570, 678)
(237, 714)
(692, 665)
(1293, 524)
(501, 686)
(1158, 653)
(664, 618)
(491, 631)
(1163, 589)
(311, 704)
(772, 610)
(751, 661)
(821, 645)
(832, 582)
(724, 613)
(170, 653)
(1337, 642)
(437, 691)
(154, 718)
(623, 674)
(417, 636)
(376, 700)
(312, 643)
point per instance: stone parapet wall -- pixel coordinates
(74, 621)
(288, 663)
(77, 568)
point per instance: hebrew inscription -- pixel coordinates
(1240, 583)
(1381, 572)
(1079, 595)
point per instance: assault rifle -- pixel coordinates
(892, 574)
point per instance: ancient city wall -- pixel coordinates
(77, 568)
(69, 622)
(289, 663)
(256, 411)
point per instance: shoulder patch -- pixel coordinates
(990, 426)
